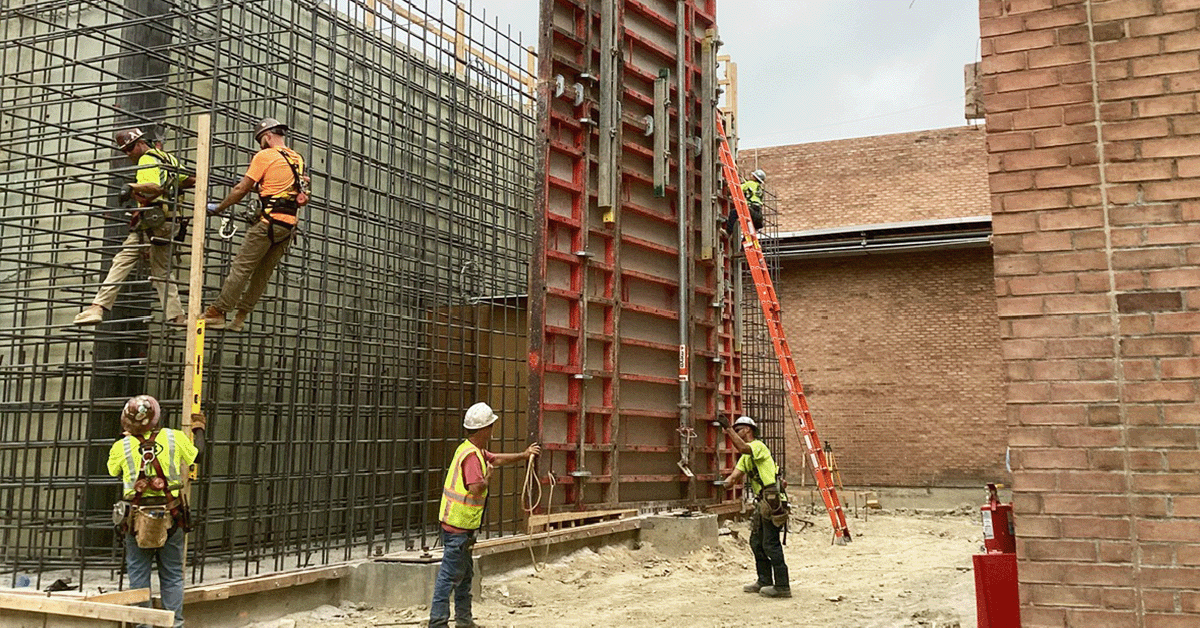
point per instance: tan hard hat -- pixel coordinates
(268, 124)
(141, 414)
(127, 138)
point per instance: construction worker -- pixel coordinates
(159, 179)
(464, 495)
(152, 462)
(752, 189)
(278, 172)
(770, 512)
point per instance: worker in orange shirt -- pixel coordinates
(278, 172)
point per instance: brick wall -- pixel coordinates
(899, 358)
(1094, 162)
(869, 180)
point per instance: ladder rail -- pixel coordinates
(769, 301)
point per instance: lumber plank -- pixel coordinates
(559, 517)
(126, 598)
(510, 543)
(226, 590)
(90, 610)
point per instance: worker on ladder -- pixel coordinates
(153, 513)
(278, 172)
(771, 509)
(752, 189)
(464, 495)
(159, 180)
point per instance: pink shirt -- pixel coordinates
(472, 473)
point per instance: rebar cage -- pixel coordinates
(331, 417)
(401, 302)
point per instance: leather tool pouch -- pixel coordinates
(151, 525)
(771, 505)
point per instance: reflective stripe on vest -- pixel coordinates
(459, 508)
(174, 477)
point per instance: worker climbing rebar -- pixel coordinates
(156, 188)
(278, 172)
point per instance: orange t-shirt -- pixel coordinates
(271, 171)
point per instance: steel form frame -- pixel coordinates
(602, 279)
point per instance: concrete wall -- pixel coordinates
(1093, 142)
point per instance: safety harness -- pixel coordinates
(158, 212)
(160, 480)
(770, 493)
(288, 205)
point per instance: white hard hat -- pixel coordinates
(478, 416)
(745, 420)
(760, 175)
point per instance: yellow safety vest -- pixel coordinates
(459, 508)
(130, 447)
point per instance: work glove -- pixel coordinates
(722, 421)
(212, 208)
(126, 193)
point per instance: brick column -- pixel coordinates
(1094, 167)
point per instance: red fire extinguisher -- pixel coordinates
(997, 602)
(998, 524)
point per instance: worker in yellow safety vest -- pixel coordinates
(752, 189)
(156, 191)
(771, 510)
(153, 514)
(461, 513)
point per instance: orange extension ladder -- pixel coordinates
(771, 312)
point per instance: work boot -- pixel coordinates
(775, 592)
(239, 321)
(753, 587)
(178, 321)
(90, 316)
(214, 318)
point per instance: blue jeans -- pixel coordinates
(454, 575)
(139, 562)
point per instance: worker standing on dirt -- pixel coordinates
(752, 189)
(278, 172)
(770, 512)
(461, 513)
(152, 462)
(159, 180)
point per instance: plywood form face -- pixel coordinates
(605, 334)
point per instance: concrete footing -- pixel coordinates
(676, 535)
(406, 580)
(396, 584)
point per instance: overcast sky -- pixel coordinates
(814, 70)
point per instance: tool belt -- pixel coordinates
(273, 206)
(150, 217)
(277, 205)
(773, 505)
(150, 522)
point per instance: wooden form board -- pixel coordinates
(607, 350)
(98, 612)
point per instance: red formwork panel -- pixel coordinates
(606, 354)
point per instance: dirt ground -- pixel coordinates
(903, 570)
